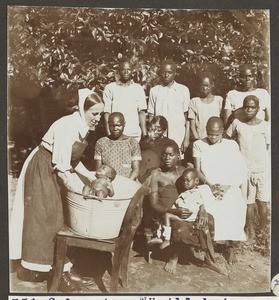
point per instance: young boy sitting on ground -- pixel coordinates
(102, 186)
(191, 199)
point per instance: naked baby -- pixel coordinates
(102, 186)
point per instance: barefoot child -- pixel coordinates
(203, 107)
(101, 187)
(191, 200)
(162, 197)
(253, 136)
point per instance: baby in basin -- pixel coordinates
(102, 186)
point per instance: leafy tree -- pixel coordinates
(52, 51)
(76, 47)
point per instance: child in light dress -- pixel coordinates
(203, 107)
(102, 186)
(191, 200)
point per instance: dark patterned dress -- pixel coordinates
(118, 154)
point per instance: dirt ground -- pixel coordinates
(250, 275)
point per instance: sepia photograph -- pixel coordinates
(139, 151)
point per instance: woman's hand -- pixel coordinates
(69, 181)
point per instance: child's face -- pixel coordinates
(206, 87)
(103, 171)
(214, 135)
(250, 109)
(116, 127)
(167, 74)
(247, 78)
(125, 72)
(156, 130)
(189, 181)
(169, 157)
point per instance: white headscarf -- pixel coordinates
(82, 95)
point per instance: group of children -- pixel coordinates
(173, 116)
(149, 152)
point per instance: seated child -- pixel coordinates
(101, 187)
(191, 200)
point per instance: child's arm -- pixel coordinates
(86, 190)
(267, 114)
(142, 121)
(193, 129)
(186, 139)
(106, 117)
(203, 180)
(110, 189)
(135, 169)
(168, 217)
(227, 114)
(97, 163)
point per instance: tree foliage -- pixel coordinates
(77, 47)
(52, 51)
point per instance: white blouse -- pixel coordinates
(60, 138)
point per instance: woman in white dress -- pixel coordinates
(223, 169)
(37, 213)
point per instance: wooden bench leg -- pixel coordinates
(124, 266)
(116, 265)
(60, 256)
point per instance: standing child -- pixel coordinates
(171, 100)
(118, 150)
(253, 136)
(204, 107)
(191, 200)
(127, 97)
(247, 86)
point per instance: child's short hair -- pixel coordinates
(253, 98)
(168, 62)
(206, 75)
(118, 114)
(171, 144)
(111, 173)
(245, 66)
(162, 121)
(215, 120)
(191, 170)
(124, 60)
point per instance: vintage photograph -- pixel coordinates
(139, 154)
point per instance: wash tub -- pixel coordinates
(100, 219)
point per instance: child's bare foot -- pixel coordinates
(230, 256)
(165, 244)
(170, 266)
(154, 241)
